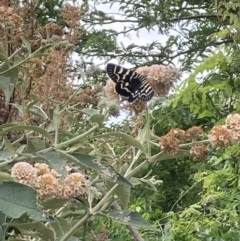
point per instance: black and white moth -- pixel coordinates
(129, 83)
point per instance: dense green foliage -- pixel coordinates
(204, 37)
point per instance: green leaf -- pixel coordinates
(20, 149)
(167, 156)
(102, 168)
(61, 226)
(31, 104)
(56, 120)
(135, 181)
(90, 112)
(4, 176)
(7, 87)
(2, 231)
(9, 145)
(70, 120)
(2, 218)
(123, 193)
(54, 160)
(124, 137)
(97, 118)
(7, 125)
(5, 155)
(73, 239)
(128, 217)
(54, 203)
(124, 168)
(26, 44)
(39, 112)
(19, 107)
(94, 115)
(206, 113)
(13, 74)
(34, 145)
(24, 128)
(4, 55)
(39, 229)
(17, 199)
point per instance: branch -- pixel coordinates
(125, 31)
(180, 9)
(110, 20)
(102, 21)
(191, 8)
(195, 17)
(141, 55)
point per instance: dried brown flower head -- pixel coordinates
(135, 107)
(169, 143)
(139, 106)
(48, 186)
(160, 77)
(15, 20)
(89, 97)
(24, 173)
(42, 168)
(195, 132)
(233, 121)
(42, 76)
(72, 16)
(137, 124)
(5, 12)
(109, 89)
(220, 136)
(74, 185)
(48, 182)
(84, 99)
(36, 68)
(50, 29)
(233, 124)
(34, 45)
(54, 173)
(199, 151)
(180, 134)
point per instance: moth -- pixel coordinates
(129, 83)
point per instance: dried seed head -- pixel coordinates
(137, 124)
(15, 20)
(220, 136)
(233, 121)
(24, 173)
(195, 132)
(110, 91)
(5, 12)
(74, 185)
(135, 107)
(48, 186)
(41, 168)
(233, 124)
(180, 134)
(169, 143)
(50, 29)
(160, 77)
(199, 151)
